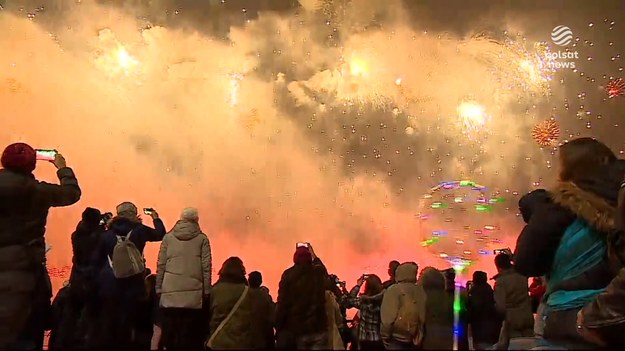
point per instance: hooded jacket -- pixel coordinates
(485, 325)
(406, 277)
(84, 244)
(184, 267)
(439, 312)
(593, 199)
(239, 332)
(512, 301)
(24, 206)
(108, 285)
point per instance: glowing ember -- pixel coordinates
(546, 133)
(616, 87)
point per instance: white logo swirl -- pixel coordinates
(562, 35)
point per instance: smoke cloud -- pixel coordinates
(320, 121)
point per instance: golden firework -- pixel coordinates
(546, 133)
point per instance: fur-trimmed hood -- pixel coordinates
(585, 204)
(593, 197)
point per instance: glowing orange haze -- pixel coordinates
(174, 141)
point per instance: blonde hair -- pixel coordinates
(190, 214)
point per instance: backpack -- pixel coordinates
(409, 317)
(127, 260)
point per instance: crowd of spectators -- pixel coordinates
(572, 248)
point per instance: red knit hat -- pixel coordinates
(19, 157)
(302, 255)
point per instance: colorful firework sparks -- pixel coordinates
(446, 204)
(546, 133)
(616, 87)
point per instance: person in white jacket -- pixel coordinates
(183, 282)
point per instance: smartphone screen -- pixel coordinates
(45, 155)
(302, 245)
(148, 211)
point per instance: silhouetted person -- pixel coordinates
(482, 317)
(25, 288)
(512, 301)
(392, 267)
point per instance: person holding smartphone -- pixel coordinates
(301, 320)
(368, 305)
(120, 296)
(25, 289)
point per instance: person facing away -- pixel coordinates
(119, 296)
(267, 308)
(482, 317)
(602, 321)
(368, 305)
(334, 317)
(512, 301)
(565, 238)
(403, 310)
(439, 311)
(450, 288)
(232, 309)
(78, 308)
(392, 267)
(301, 320)
(24, 206)
(183, 281)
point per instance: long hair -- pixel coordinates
(581, 157)
(232, 269)
(374, 285)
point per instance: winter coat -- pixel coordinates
(512, 301)
(606, 314)
(406, 276)
(484, 321)
(238, 332)
(263, 328)
(592, 200)
(24, 206)
(107, 284)
(84, 245)
(439, 312)
(184, 267)
(335, 320)
(301, 300)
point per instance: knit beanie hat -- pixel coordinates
(91, 215)
(20, 158)
(302, 255)
(127, 210)
(190, 214)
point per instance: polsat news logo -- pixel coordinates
(561, 36)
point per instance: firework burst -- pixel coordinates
(546, 133)
(616, 87)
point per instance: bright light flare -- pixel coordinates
(125, 61)
(472, 114)
(533, 71)
(358, 67)
(117, 61)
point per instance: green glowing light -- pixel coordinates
(429, 242)
(482, 208)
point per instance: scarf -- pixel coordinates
(581, 248)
